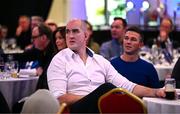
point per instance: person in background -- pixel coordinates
(78, 77)
(91, 43)
(43, 41)
(164, 40)
(114, 47)
(4, 31)
(164, 43)
(130, 65)
(60, 38)
(176, 73)
(3, 37)
(43, 51)
(23, 32)
(52, 25)
(35, 20)
(59, 42)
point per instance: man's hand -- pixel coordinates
(69, 98)
(39, 71)
(18, 30)
(160, 92)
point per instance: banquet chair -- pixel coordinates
(41, 102)
(119, 100)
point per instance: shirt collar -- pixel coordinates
(88, 51)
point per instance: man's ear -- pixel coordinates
(86, 35)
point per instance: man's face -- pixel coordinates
(165, 29)
(37, 39)
(166, 26)
(117, 29)
(75, 37)
(4, 32)
(34, 22)
(132, 42)
(24, 23)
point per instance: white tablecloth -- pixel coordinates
(162, 106)
(163, 71)
(15, 89)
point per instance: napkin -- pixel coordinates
(27, 72)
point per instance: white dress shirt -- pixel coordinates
(67, 73)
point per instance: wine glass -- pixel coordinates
(11, 69)
(14, 69)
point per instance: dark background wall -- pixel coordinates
(10, 10)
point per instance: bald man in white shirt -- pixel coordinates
(76, 74)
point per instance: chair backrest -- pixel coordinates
(119, 100)
(42, 101)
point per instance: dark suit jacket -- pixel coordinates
(24, 39)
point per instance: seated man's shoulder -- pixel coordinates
(63, 53)
(146, 63)
(99, 57)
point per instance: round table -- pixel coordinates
(161, 105)
(14, 89)
(163, 71)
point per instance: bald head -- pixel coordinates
(79, 22)
(76, 35)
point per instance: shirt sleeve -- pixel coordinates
(56, 76)
(117, 79)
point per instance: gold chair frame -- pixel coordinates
(62, 108)
(116, 90)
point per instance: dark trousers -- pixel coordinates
(89, 104)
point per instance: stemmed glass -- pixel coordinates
(11, 69)
(14, 69)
